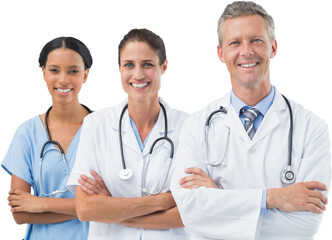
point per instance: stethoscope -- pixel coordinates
(62, 153)
(126, 173)
(287, 175)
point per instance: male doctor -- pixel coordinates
(232, 185)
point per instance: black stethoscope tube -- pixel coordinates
(221, 109)
(165, 137)
(290, 136)
(49, 135)
(120, 136)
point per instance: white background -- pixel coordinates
(301, 69)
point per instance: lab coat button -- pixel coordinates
(252, 150)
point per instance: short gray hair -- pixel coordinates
(243, 9)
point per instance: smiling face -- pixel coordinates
(140, 71)
(64, 75)
(246, 49)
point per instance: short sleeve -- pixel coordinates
(86, 157)
(18, 158)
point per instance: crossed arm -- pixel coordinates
(94, 203)
(27, 208)
(297, 197)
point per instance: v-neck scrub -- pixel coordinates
(22, 160)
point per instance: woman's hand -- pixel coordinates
(198, 178)
(21, 201)
(94, 186)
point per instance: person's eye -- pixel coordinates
(257, 41)
(74, 71)
(53, 70)
(235, 43)
(129, 65)
(148, 65)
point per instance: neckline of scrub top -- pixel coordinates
(69, 149)
(138, 137)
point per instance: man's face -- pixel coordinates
(246, 49)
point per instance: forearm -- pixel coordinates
(46, 217)
(110, 209)
(64, 206)
(159, 220)
(22, 201)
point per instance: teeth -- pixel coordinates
(248, 65)
(139, 85)
(63, 90)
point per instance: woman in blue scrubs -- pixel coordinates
(50, 210)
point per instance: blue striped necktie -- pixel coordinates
(249, 117)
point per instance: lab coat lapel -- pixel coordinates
(159, 129)
(155, 134)
(128, 137)
(232, 119)
(271, 119)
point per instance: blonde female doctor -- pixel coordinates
(132, 198)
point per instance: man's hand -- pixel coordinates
(298, 197)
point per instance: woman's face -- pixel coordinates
(140, 71)
(64, 75)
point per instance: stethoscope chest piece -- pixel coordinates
(126, 173)
(287, 175)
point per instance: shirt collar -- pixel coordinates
(263, 106)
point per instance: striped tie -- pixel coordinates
(249, 117)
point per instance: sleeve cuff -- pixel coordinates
(263, 205)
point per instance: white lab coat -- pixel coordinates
(251, 166)
(99, 149)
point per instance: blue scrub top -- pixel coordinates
(22, 160)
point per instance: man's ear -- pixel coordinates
(220, 53)
(274, 48)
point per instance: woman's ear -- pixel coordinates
(164, 67)
(86, 73)
(44, 72)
